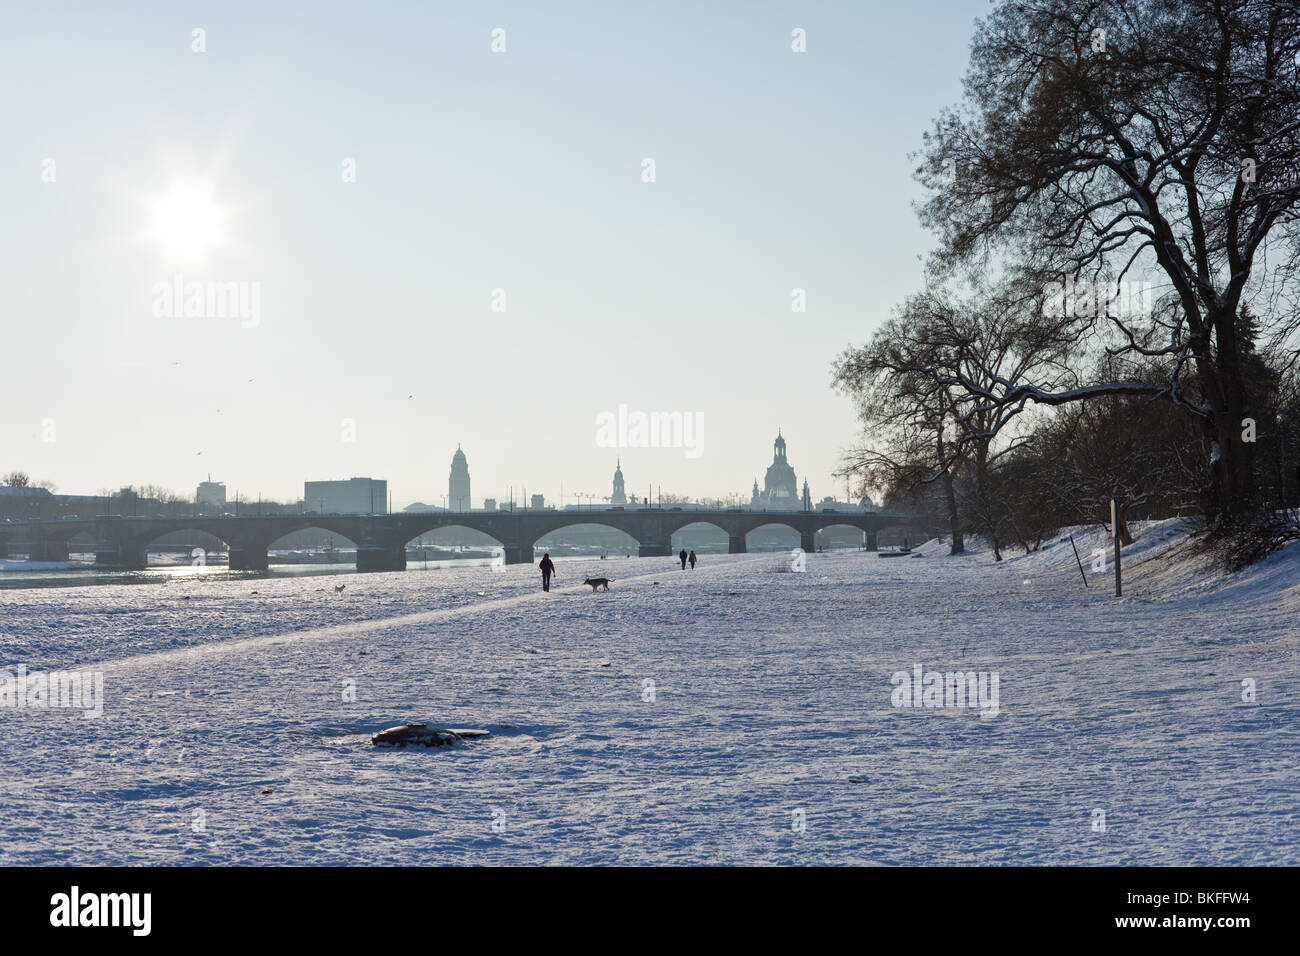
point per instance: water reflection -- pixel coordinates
(14, 575)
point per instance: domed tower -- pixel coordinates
(458, 483)
(780, 487)
(618, 497)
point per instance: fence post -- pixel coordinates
(1114, 530)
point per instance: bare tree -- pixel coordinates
(904, 413)
(1100, 138)
(940, 370)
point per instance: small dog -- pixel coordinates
(597, 583)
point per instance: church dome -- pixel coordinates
(780, 486)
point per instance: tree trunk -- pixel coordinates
(1232, 477)
(954, 520)
(987, 517)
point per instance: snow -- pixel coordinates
(771, 695)
(15, 565)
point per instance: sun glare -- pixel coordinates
(187, 223)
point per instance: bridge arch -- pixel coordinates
(172, 547)
(707, 537)
(773, 535)
(585, 533)
(81, 543)
(453, 534)
(313, 543)
(840, 534)
(894, 534)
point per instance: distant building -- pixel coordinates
(619, 497)
(420, 506)
(24, 492)
(20, 504)
(458, 483)
(211, 495)
(832, 504)
(780, 487)
(23, 503)
(489, 504)
(355, 496)
(538, 502)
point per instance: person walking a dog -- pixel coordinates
(692, 559)
(548, 568)
(683, 557)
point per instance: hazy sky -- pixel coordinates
(475, 171)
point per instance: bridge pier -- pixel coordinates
(48, 551)
(244, 558)
(736, 544)
(376, 558)
(110, 554)
(654, 549)
(808, 541)
(870, 540)
(519, 554)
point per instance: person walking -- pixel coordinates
(548, 568)
(692, 559)
(683, 557)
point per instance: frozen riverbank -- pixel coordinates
(768, 733)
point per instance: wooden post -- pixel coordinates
(1114, 530)
(1079, 561)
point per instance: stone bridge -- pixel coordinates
(123, 542)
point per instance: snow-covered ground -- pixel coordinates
(769, 734)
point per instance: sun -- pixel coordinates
(187, 223)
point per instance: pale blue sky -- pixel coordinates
(475, 171)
